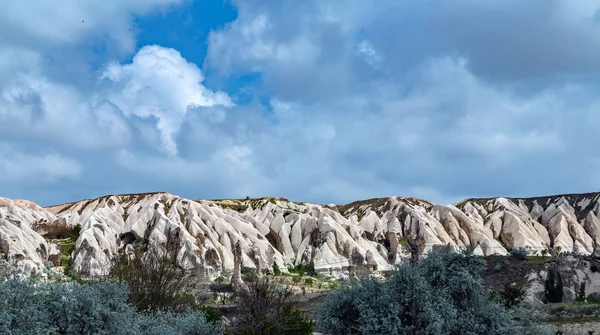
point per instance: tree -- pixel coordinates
(441, 294)
(155, 282)
(581, 293)
(553, 286)
(264, 309)
(221, 288)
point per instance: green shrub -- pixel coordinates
(308, 282)
(304, 269)
(519, 254)
(276, 269)
(29, 306)
(553, 286)
(511, 295)
(581, 293)
(442, 294)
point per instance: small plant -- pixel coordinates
(403, 241)
(544, 253)
(221, 288)
(303, 269)
(276, 269)
(296, 279)
(308, 281)
(212, 315)
(511, 295)
(74, 235)
(519, 254)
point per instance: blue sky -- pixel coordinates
(323, 101)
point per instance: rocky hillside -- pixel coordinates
(364, 236)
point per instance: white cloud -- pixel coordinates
(366, 49)
(161, 83)
(364, 102)
(46, 22)
(17, 167)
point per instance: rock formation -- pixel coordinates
(364, 236)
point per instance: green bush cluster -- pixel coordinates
(303, 269)
(442, 294)
(29, 306)
(519, 254)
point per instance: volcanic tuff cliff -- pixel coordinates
(370, 235)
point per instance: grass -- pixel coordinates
(538, 259)
(571, 312)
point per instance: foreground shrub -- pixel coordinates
(28, 306)
(511, 295)
(264, 310)
(442, 294)
(155, 282)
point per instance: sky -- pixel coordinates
(323, 101)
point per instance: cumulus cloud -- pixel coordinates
(161, 83)
(35, 108)
(355, 100)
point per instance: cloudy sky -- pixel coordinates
(326, 101)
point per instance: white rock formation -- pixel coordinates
(371, 235)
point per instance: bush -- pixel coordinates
(519, 254)
(29, 306)
(511, 295)
(304, 269)
(264, 309)
(155, 282)
(222, 289)
(442, 294)
(308, 282)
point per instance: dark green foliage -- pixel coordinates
(442, 294)
(581, 293)
(248, 275)
(211, 314)
(519, 254)
(74, 235)
(294, 322)
(511, 295)
(553, 286)
(276, 269)
(304, 269)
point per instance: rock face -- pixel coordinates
(361, 237)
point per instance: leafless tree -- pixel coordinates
(264, 309)
(155, 282)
